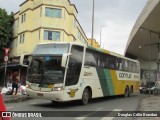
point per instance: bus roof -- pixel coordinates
(93, 48)
(111, 53)
(74, 43)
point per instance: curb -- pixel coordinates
(15, 100)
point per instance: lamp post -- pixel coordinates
(101, 33)
(92, 24)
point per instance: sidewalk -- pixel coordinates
(151, 104)
(18, 98)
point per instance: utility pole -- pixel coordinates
(92, 24)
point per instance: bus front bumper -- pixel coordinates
(52, 95)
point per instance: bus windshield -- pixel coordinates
(51, 49)
(45, 67)
(46, 70)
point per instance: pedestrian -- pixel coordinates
(15, 80)
(2, 108)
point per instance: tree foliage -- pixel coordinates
(6, 31)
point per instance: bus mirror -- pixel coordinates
(25, 59)
(64, 59)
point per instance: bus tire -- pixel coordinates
(126, 92)
(85, 97)
(130, 91)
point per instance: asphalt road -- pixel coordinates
(94, 108)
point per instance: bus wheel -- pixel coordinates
(126, 92)
(85, 97)
(130, 91)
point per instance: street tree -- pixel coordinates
(6, 22)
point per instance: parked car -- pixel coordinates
(153, 87)
(142, 88)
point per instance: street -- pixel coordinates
(116, 103)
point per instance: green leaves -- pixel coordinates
(6, 33)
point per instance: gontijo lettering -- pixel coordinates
(125, 75)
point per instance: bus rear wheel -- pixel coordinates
(130, 91)
(85, 97)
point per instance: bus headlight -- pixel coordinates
(28, 86)
(57, 88)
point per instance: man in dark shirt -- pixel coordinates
(15, 80)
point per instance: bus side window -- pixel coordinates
(125, 65)
(112, 62)
(90, 58)
(102, 61)
(119, 64)
(137, 68)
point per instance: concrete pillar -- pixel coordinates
(158, 63)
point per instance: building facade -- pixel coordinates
(93, 42)
(40, 21)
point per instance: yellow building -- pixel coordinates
(40, 21)
(93, 43)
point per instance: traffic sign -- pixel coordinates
(5, 58)
(6, 51)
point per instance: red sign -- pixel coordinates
(6, 51)
(5, 58)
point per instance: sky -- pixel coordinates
(114, 18)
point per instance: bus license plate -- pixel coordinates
(40, 94)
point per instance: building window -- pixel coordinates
(23, 19)
(51, 35)
(22, 37)
(54, 13)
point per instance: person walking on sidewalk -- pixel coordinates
(15, 80)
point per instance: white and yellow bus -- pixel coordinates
(68, 71)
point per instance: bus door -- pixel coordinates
(72, 83)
